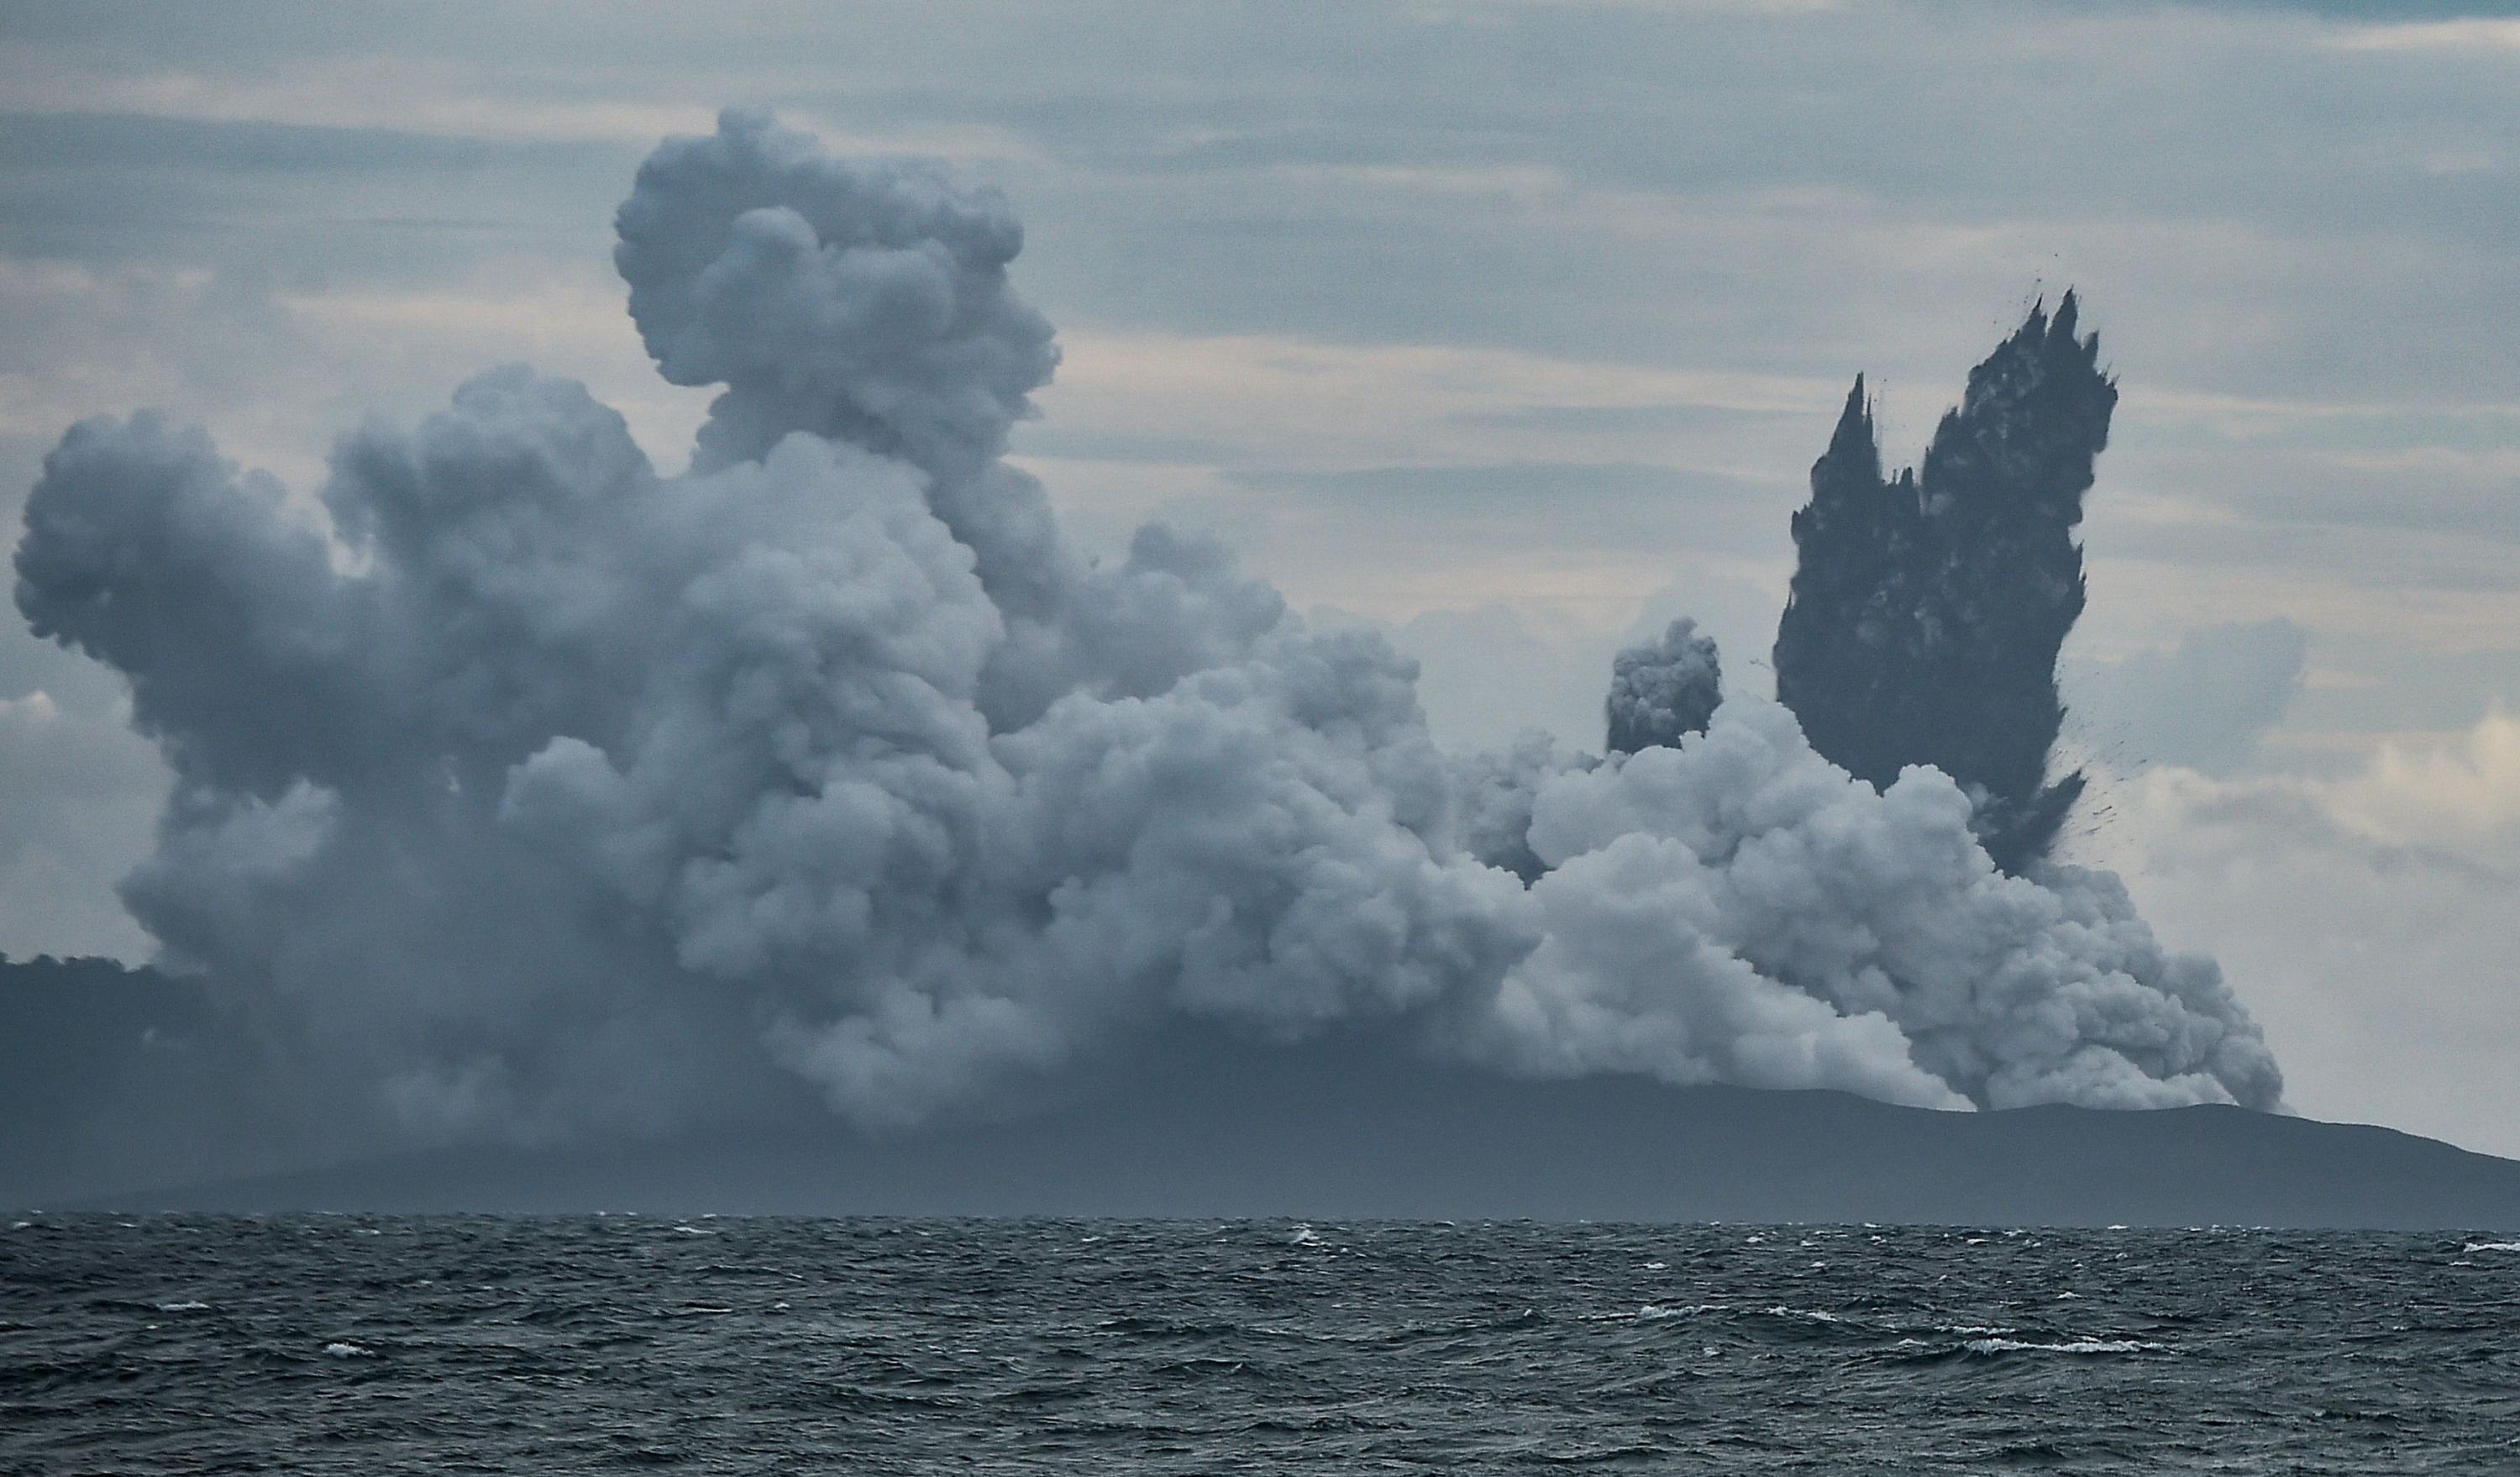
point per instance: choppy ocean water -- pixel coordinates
(373, 1344)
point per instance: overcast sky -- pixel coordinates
(1511, 326)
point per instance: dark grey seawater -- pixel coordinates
(445, 1344)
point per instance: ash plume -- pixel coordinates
(522, 792)
(1927, 610)
(1661, 693)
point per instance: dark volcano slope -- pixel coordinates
(1337, 1132)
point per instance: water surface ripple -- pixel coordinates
(302, 1344)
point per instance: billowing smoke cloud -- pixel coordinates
(1926, 611)
(1662, 693)
(521, 790)
(1743, 877)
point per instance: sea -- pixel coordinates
(368, 1344)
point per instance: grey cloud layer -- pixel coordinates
(539, 790)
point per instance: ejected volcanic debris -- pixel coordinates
(1927, 608)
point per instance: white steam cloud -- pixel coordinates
(535, 792)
